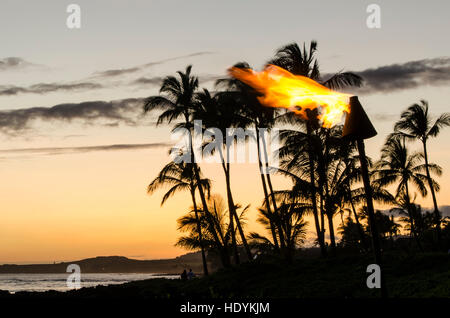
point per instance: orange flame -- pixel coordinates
(280, 88)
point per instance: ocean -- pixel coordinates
(42, 282)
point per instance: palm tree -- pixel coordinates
(180, 176)
(303, 62)
(350, 160)
(299, 156)
(347, 162)
(407, 211)
(220, 111)
(218, 214)
(415, 123)
(261, 243)
(177, 99)
(350, 233)
(386, 225)
(397, 165)
(257, 116)
(291, 214)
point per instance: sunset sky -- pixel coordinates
(76, 152)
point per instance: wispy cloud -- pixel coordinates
(385, 117)
(43, 88)
(157, 80)
(125, 111)
(413, 74)
(91, 83)
(134, 69)
(14, 63)
(82, 149)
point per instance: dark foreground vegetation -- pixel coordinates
(420, 275)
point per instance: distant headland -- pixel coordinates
(112, 264)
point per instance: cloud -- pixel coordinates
(210, 77)
(157, 80)
(42, 88)
(83, 85)
(83, 149)
(125, 111)
(13, 63)
(73, 136)
(384, 117)
(118, 72)
(413, 74)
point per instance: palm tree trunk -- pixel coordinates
(413, 228)
(320, 236)
(391, 232)
(238, 222)
(437, 215)
(231, 212)
(322, 214)
(200, 236)
(272, 195)
(360, 229)
(231, 205)
(225, 258)
(332, 237)
(266, 195)
(233, 239)
(216, 223)
(328, 208)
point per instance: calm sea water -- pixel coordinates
(43, 282)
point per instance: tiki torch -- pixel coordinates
(358, 127)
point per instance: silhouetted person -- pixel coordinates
(191, 274)
(184, 275)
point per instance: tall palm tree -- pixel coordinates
(299, 155)
(398, 166)
(220, 111)
(258, 116)
(350, 160)
(416, 123)
(180, 176)
(177, 99)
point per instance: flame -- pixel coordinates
(280, 88)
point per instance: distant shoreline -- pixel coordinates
(112, 265)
